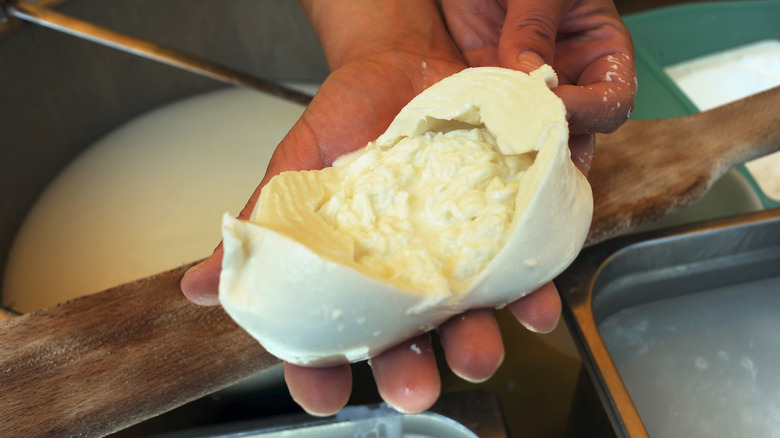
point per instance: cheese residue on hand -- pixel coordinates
(429, 212)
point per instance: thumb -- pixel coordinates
(200, 284)
(528, 36)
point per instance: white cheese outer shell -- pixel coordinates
(552, 221)
(485, 96)
(310, 310)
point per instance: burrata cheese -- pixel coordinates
(468, 200)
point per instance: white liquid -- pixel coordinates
(703, 365)
(724, 77)
(146, 198)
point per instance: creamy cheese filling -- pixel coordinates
(429, 212)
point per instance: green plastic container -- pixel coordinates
(667, 36)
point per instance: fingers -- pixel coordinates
(319, 391)
(582, 147)
(603, 96)
(475, 27)
(595, 69)
(586, 42)
(538, 311)
(406, 375)
(472, 345)
(529, 33)
(590, 49)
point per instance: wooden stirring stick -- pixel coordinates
(103, 362)
(649, 169)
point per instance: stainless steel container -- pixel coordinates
(58, 94)
(675, 326)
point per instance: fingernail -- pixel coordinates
(539, 330)
(471, 379)
(529, 61)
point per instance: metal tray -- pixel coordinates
(662, 269)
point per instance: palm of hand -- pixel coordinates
(353, 106)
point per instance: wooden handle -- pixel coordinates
(649, 169)
(743, 130)
(103, 362)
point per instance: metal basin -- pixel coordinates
(61, 94)
(677, 327)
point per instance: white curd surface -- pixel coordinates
(717, 79)
(147, 197)
(431, 208)
(705, 364)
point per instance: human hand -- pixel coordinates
(370, 83)
(584, 40)
(356, 103)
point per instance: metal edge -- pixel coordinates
(16, 10)
(477, 412)
(10, 24)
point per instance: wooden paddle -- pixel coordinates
(649, 169)
(103, 362)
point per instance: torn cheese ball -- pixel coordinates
(468, 200)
